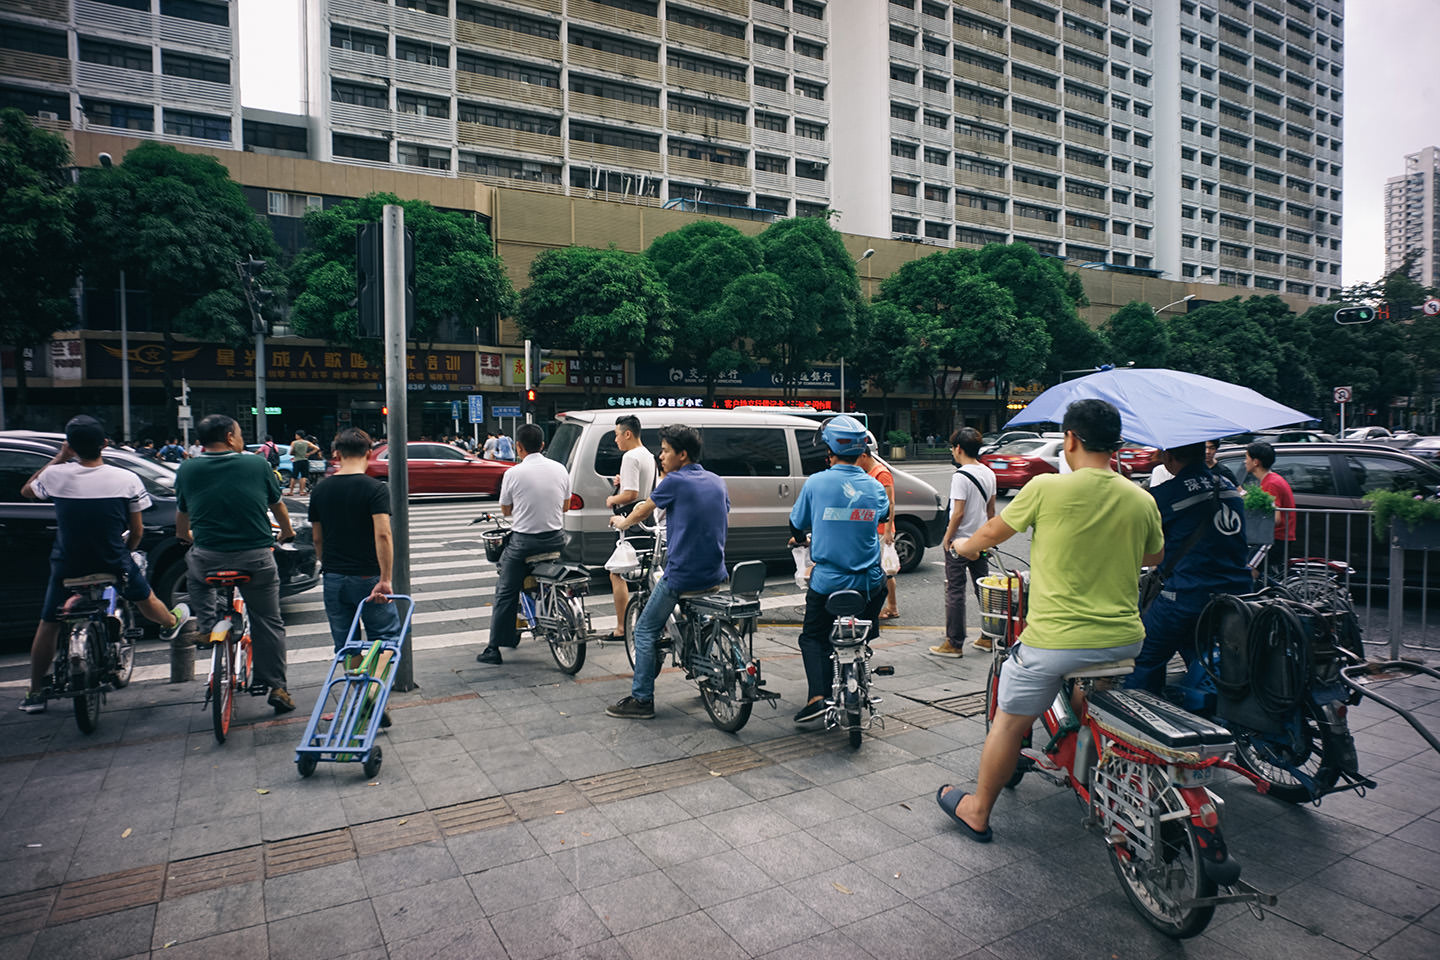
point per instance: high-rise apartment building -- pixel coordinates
(1196, 139)
(1412, 216)
(155, 68)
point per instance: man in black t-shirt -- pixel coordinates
(350, 519)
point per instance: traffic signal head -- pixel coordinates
(384, 411)
(1355, 315)
(530, 395)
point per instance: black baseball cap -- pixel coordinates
(84, 431)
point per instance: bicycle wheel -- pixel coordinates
(992, 690)
(632, 617)
(852, 704)
(222, 685)
(1160, 888)
(88, 676)
(125, 649)
(567, 644)
(1270, 760)
(724, 693)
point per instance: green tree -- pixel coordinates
(37, 234)
(177, 225)
(818, 275)
(718, 294)
(457, 275)
(1136, 335)
(604, 304)
(1043, 290)
(1224, 341)
(1296, 384)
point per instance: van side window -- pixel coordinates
(607, 455)
(744, 453)
(814, 455)
(1308, 473)
(1383, 473)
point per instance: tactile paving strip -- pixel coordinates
(108, 894)
(308, 852)
(381, 835)
(25, 912)
(474, 815)
(214, 870)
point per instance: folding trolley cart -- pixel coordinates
(351, 704)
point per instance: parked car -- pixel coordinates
(1335, 477)
(994, 442)
(1288, 435)
(27, 533)
(1366, 433)
(764, 459)
(441, 468)
(1016, 463)
(1426, 448)
(1139, 458)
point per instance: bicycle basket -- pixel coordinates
(999, 598)
(494, 541)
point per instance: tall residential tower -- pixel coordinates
(1412, 216)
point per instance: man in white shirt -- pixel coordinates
(633, 486)
(534, 494)
(488, 452)
(972, 502)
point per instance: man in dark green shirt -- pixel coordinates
(222, 498)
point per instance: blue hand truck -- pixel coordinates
(350, 709)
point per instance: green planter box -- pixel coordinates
(1259, 527)
(1424, 535)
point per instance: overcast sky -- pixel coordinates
(1392, 98)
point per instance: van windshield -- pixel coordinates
(562, 445)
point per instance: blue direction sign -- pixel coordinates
(477, 408)
(505, 410)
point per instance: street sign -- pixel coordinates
(500, 410)
(269, 411)
(454, 409)
(477, 407)
(1344, 394)
(183, 411)
(186, 423)
(1431, 307)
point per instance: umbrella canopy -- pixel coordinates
(1165, 408)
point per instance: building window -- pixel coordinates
(904, 188)
(809, 129)
(937, 231)
(281, 204)
(546, 29)
(809, 169)
(905, 151)
(199, 125)
(492, 116)
(978, 237)
(174, 64)
(415, 51)
(645, 98)
(586, 133)
(775, 41)
(506, 70)
(768, 164)
(939, 121)
(902, 74)
(903, 37)
(275, 136)
(983, 167)
(804, 8)
(125, 116)
(804, 88)
(1042, 180)
(414, 155)
(937, 193)
(899, 111)
(937, 157)
(115, 54)
(216, 13)
(978, 201)
(348, 38)
(772, 121)
(1036, 213)
(806, 209)
(770, 81)
(805, 48)
(421, 106)
(360, 95)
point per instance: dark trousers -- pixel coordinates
(815, 637)
(513, 569)
(262, 603)
(955, 570)
(1169, 629)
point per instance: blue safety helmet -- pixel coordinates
(845, 436)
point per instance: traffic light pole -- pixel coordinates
(529, 414)
(397, 426)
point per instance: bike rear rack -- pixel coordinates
(1350, 676)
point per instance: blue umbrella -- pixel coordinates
(1165, 408)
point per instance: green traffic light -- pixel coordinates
(1355, 315)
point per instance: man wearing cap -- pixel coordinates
(1093, 529)
(841, 509)
(97, 518)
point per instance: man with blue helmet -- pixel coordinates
(840, 508)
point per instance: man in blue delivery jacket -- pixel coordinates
(841, 508)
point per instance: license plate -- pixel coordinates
(1190, 776)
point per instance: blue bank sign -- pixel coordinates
(663, 375)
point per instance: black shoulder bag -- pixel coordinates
(1153, 582)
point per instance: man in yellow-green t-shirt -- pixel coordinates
(1093, 529)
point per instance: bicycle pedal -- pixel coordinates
(1039, 762)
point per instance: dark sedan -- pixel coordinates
(27, 532)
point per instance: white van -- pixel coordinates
(764, 459)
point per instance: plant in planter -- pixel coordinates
(1259, 516)
(898, 440)
(1414, 518)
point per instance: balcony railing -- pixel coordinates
(430, 128)
(698, 125)
(1023, 121)
(1033, 158)
(708, 170)
(936, 98)
(1040, 25)
(355, 115)
(980, 111)
(48, 9)
(579, 56)
(708, 83)
(981, 146)
(209, 35)
(482, 85)
(1089, 204)
(812, 188)
(773, 182)
(484, 135)
(819, 109)
(1030, 191)
(549, 6)
(34, 66)
(1233, 233)
(905, 165)
(1049, 228)
(1024, 54)
(185, 90)
(980, 40)
(1086, 42)
(424, 74)
(613, 17)
(114, 80)
(90, 14)
(1234, 206)
(512, 183)
(904, 204)
(614, 109)
(770, 16)
(739, 8)
(495, 38)
(1073, 102)
(975, 216)
(583, 150)
(417, 23)
(708, 40)
(771, 99)
(766, 139)
(939, 209)
(767, 56)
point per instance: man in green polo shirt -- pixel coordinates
(1093, 529)
(222, 497)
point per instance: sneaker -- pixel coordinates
(947, 650)
(280, 700)
(490, 655)
(631, 709)
(181, 613)
(811, 711)
(34, 702)
(983, 644)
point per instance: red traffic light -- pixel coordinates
(384, 411)
(530, 395)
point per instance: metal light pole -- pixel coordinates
(529, 416)
(392, 226)
(1188, 296)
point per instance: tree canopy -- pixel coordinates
(457, 275)
(1136, 335)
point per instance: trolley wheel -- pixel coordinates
(222, 687)
(87, 705)
(305, 763)
(372, 766)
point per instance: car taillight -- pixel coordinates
(576, 503)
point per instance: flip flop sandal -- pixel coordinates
(949, 802)
(890, 616)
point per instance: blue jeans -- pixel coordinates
(1169, 629)
(658, 607)
(343, 593)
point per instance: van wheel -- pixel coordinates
(909, 544)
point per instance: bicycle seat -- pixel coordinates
(227, 578)
(90, 580)
(542, 557)
(1320, 563)
(698, 594)
(560, 571)
(1115, 668)
(845, 603)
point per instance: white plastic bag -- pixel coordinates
(623, 560)
(802, 565)
(889, 559)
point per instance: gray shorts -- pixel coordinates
(1032, 676)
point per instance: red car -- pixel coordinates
(441, 468)
(1139, 459)
(1015, 463)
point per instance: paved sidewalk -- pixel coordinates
(513, 819)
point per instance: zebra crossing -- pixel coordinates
(453, 586)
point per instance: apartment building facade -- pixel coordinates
(1412, 216)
